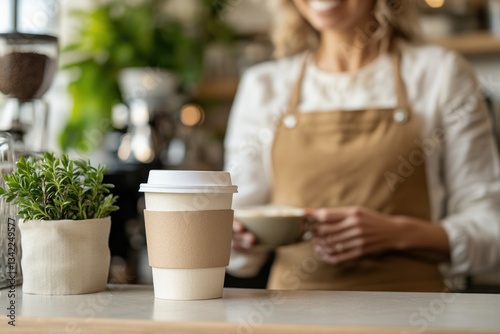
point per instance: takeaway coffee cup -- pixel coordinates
(188, 220)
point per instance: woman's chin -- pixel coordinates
(329, 25)
(327, 14)
(339, 15)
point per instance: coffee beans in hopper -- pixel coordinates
(26, 75)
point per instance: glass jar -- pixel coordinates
(10, 238)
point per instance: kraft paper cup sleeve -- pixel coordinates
(188, 239)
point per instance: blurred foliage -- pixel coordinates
(118, 34)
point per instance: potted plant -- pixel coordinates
(64, 207)
(155, 35)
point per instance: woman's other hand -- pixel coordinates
(243, 240)
(348, 233)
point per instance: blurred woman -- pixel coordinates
(386, 141)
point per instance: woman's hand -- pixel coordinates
(348, 233)
(243, 241)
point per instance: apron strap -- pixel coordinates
(402, 100)
(398, 80)
(295, 98)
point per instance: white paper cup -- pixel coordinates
(172, 191)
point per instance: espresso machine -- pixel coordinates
(152, 105)
(28, 63)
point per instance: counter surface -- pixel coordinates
(133, 309)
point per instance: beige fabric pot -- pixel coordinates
(65, 257)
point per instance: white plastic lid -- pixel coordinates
(176, 181)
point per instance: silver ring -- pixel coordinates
(339, 248)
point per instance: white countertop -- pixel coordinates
(131, 308)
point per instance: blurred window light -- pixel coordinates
(176, 152)
(119, 116)
(435, 3)
(192, 115)
(125, 147)
(142, 147)
(139, 113)
(143, 152)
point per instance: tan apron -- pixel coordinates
(334, 158)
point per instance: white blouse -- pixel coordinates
(463, 169)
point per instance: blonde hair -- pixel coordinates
(292, 34)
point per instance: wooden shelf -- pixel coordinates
(222, 89)
(472, 43)
(469, 44)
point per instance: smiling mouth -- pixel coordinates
(323, 5)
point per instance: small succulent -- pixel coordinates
(53, 188)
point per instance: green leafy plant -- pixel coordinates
(54, 188)
(116, 34)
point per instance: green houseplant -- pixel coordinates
(148, 33)
(65, 208)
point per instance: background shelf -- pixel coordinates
(471, 43)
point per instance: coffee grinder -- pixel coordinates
(28, 63)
